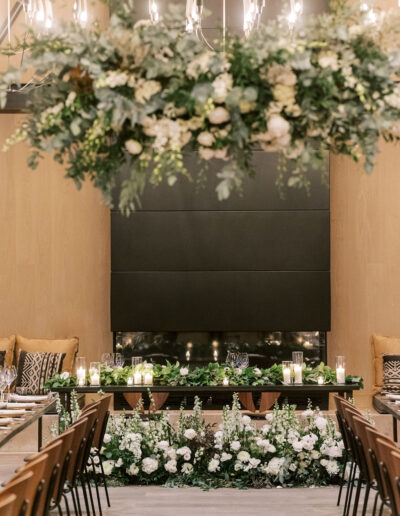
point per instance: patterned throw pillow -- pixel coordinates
(2, 358)
(391, 373)
(34, 369)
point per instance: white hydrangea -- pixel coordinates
(149, 465)
(275, 466)
(321, 423)
(163, 445)
(132, 470)
(246, 420)
(108, 466)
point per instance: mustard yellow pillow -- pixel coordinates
(67, 346)
(381, 345)
(7, 344)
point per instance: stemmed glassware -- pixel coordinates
(238, 360)
(107, 359)
(119, 361)
(10, 374)
(3, 384)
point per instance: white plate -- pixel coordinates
(15, 404)
(393, 396)
(20, 397)
(16, 412)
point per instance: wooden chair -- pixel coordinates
(36, 491)
(77, 449)
(21, 487)
(385, 449)
(8, 505)
(395, 472)
(372, 437)
(83, 472)
(348, 459)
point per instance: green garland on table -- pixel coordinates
(210, 375)
(140, 94)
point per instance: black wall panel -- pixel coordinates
(187, 262)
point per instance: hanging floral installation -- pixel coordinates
(139, 95)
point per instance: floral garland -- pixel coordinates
(288, 450)
(141, 94)
(211, 375)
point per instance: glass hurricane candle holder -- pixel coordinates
(94, 373)
(225, 381)
(148, 377)
(81, 371)
(297, 358)
(287, 367)
(340, 369)
(320, 380)
(129, 381)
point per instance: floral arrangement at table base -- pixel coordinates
(212, 374)
(140, 94)
(289, 450)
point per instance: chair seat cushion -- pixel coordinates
(67, 346)
(7, 344)
(34, 369)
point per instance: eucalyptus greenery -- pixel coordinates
(209, 375)
(139, 94)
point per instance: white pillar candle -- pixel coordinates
(81, 376)
(286, 375)
(137, 378)
(225, 382)
(95, 379)
(129, 381)
(148, 379)
(340, 376)
(188, 355)
(298, 373)
(320, 380)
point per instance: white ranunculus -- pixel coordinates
(187, 468)
(170, 466)
(133, 469)
(184, 371)
(190, 433)
(235, 445)
(278, 126)
(133, 147)
(243, 456)
(221, 86)
(149, 465)
(64, 375)
(108, 466)
(328, 58)
(219, 115)
(205, 138)
(213, 465)
(225, 456)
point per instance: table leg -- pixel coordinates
(394, 429)
(40, 433)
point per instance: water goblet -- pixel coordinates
(10, 373)
(119, 360)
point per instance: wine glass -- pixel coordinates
(244, 360)
(107, 359)
(10, 373)
(231, 358)
(119, 360)
(3, 384)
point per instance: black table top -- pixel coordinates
(345, 388)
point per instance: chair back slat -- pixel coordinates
(385, 448)
(24, 488)
(8, 505)
(77, 449)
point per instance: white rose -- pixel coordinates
(222, 85)
(163, 445)
(184, 371)
(243, 456)
(213, 465)
(257, 371)
(219, 115)
(235, 445)
(278, 126)
(190, 433)
(108, 466)
(132, 470)
(170, 466)
(205, 138)
(187, 468)
(149, 465)
(133, 147)
(221, 153)
(225, 456)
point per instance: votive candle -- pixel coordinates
(287, 372)
(95, 379)
(137, 378)
(129, 381)
(148, 379)
(81, 371)
(298, 373)
(225, 382)
(340, 370)
(320, 380)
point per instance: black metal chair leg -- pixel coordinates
(365, 504)
(375, 504)
(59, 510)
(66, 505)
(78, 501)
(381, 509)
(74, 503)
(342, 479)
(351, 487)
(87, 480)
(97, 490)
(348, 487)
(357, 497)
(104, 479)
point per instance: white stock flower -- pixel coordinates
(307, 413)
(213, 465)
(187, 468)
(190, 433)
(205, 138)
(269, 417)
(219, 115)
(184, 371)
(170, 466)
(149, 465)
(108, 466)
(246, 420)
(133, 147)
(321, 423)
(235, 445)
